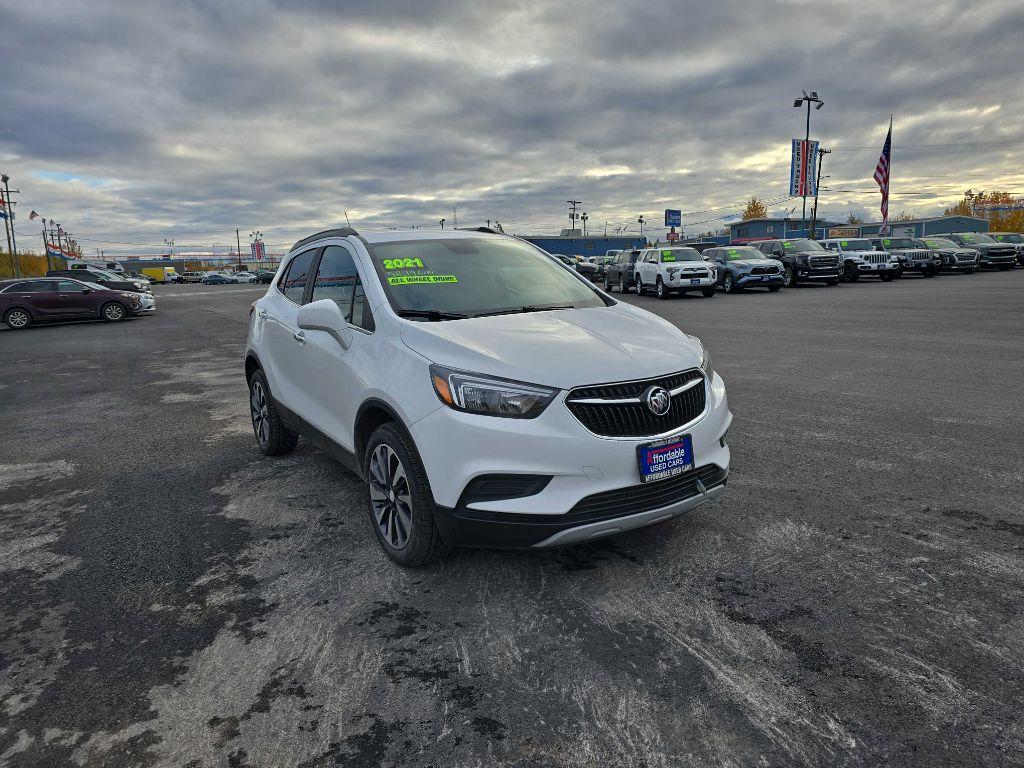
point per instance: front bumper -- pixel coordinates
(890, 268)
(683, 282)
(817, 273)
(457, 447)
(747, 279)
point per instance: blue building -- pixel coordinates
(584, 246)
(775, 229)
(943, 225)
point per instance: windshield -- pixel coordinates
(1013, 237)
(939, 242)
(976, 238)
(738, 254)
(802, 246)
(473, 276)
(681, 254)
(898, 242)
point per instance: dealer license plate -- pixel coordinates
(665, 458)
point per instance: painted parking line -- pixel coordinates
(163, 296)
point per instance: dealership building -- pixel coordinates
(943, 225)
(774, 229)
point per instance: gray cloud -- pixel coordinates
(133, 122)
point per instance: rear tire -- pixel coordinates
(399, 500)
(272, 437)
(17, 319)
(113, 312)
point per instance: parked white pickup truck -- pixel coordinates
(674, 270)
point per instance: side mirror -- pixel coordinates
(325, 315)
(87, 290)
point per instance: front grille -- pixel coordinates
(635, 419)
(965, 258)
(818, 262)
(764, 271)
(876, 258)
(646, 496)
(1002, 253)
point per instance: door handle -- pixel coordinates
(299, 337)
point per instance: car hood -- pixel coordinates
(561, 348)
(755, 262)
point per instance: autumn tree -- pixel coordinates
(904, 216)
(755, 209)
(1005, 213)
(851, 219)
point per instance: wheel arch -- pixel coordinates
(372, 414)
(27, 309)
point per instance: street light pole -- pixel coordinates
(817, 185)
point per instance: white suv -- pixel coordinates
(486, 394)
(858, 257)
(674, 270)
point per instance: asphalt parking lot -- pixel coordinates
(173, 598)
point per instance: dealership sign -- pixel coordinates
(673, 218)
(802, 169)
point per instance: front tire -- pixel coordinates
(17, 319)
(607, 285)
(638, 286)
(399, 500)
(272, 437)
(660, 290)
(113, 312)
(788, 277)
(728, 283)
(774, 288)
(850, 273)
(708, 292)
(887, 278)
(622, 284)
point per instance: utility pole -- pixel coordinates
(811, 98)
(640, 221)
(238, 243)
(583, 217)
(46, 247)
(5, 204)
(455, 217)
(572, 214)
(817, 185)
(441, 222)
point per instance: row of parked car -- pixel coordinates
(773, 264)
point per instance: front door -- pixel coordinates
(333, 380)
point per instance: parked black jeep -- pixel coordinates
(620, 272)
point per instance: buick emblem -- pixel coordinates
(658, 400)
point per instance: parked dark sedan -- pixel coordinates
(215, 278)
(264, 276)
(42, 299)
(101, 277)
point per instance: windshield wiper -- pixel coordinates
(520, 310)
(435, 315)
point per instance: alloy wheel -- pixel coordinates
(260, 413)
(787, 277)
(390, 496)
(113, 312)
(17, 318)
(727, 282)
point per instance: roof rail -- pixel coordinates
(340, 232)
(487, 230)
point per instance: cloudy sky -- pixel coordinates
(134, 122)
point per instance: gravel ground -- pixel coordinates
(172, 598)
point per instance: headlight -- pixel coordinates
(489, 396)
(707, 366)
(672, 271)
(138, 285)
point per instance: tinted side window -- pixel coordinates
(293, 282)
(38, 286)
(69, 286)
(336, 279)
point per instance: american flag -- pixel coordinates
(882, 177)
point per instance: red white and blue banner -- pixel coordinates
(55, 252)
(258, 252)
(803, 169)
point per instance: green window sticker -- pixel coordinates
(844, 243)
(668, 256)
(887, 243)
(421, 279)
(402, 263)
(787, 244)
(732, 251)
